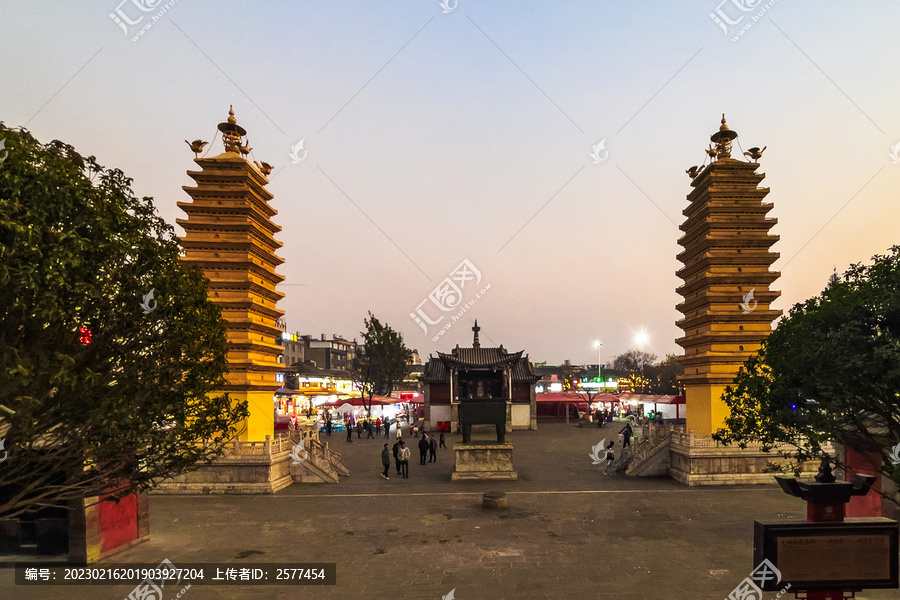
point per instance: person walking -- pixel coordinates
(399, 431)
(432, 449)
(443, 445)
(387, 428)
(396, 451)
(359, 429)
(626, 432)
(423, 449)
(371, 430)
(404, 459)
(385, 461)
(610, 455)
(349, 431)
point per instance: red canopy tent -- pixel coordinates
(376, 401)
(560, 400)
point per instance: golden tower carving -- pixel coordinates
(727, 278)
(229, 235)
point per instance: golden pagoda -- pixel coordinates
(229, 235)
(727, 278)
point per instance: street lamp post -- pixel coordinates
(599, 347)
(641, 338)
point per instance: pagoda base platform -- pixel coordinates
(483, 461)
(697, 461)
(246, 468)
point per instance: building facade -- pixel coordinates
(478, 372)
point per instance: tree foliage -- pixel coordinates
(830, 372)
(132, 406)
(633, 364)
(383, 362)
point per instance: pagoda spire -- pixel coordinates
(232, 133)
(476, 329)
(722, 140)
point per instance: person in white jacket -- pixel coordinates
(404, 460)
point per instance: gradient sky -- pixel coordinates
(436, 137)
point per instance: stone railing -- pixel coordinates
(687, 439)
(653, 434)
(279, 444)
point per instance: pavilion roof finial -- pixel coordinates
(476, 329)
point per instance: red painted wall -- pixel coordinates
(118, 522)
(860, 464)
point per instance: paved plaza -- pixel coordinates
(569, 532)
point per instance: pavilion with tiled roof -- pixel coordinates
(478, 372)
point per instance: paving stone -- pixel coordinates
(569, 532)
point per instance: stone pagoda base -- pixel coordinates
(246, 468)
(483, 461)
(699, 461)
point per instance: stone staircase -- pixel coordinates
(651, 455)
(321, 465)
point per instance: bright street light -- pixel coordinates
(598, 346)
(641, 338)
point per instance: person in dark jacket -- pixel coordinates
(432, 449)
(610, 455)
(385, 461)
(396, 451)
(626, 435)
(442, 444)
(423, 448)
(370, 429)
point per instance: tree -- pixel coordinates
(830, 372)
(662, 378)
(382, 363)
(103, 389)
(634, 363)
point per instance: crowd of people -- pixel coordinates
(428, 447)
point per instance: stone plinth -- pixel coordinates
(246, 468)
(483, 461)
(699, 461)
